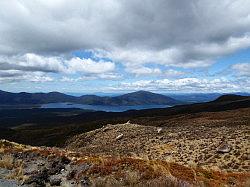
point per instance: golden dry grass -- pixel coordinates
(7, 161)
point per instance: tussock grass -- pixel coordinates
(18, 173)
(7, 162)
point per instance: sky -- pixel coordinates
(112, 46)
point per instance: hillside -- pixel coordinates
(135, 98)
(231, 97)
(204, 144)
(9, 98)
(145, 98)
(22, 165)
(187, 140)
(54, 126)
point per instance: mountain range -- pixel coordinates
(134, 98)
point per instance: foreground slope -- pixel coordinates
(43, 166)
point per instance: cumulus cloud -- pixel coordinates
(35, 68)
(173, 73)
(210, 28)
(105, 76)
(89, 66)
(17, 76)
(186, 85)
(142, 70)
(82, 78)
(33, 62)
(40, 36)
(242, 69)
(194, 55)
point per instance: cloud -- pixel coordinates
(31, 62)
(242, 69)
(156, 31)
(39, 38)
(82, 78)
(89, 66)
(35, 68)
(34, 62)
(58, 26)
(17, 76)
(110, 76)
(173, 73)
(105, 76)
(149, 71)
(192, 55)
(142, 70)
(186, 85)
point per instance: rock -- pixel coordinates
(85, 182)
(71, 175)
(38, 179)
(159, 130)
(119, 137)
(18, 155)
(107, 127)
(55, 167)
(224, 148)
(128, 122)
(55, 182)
(65, 160)
(41, 164)
(84, 167)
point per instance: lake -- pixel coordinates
(105, 108)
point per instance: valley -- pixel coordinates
(186, 145)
